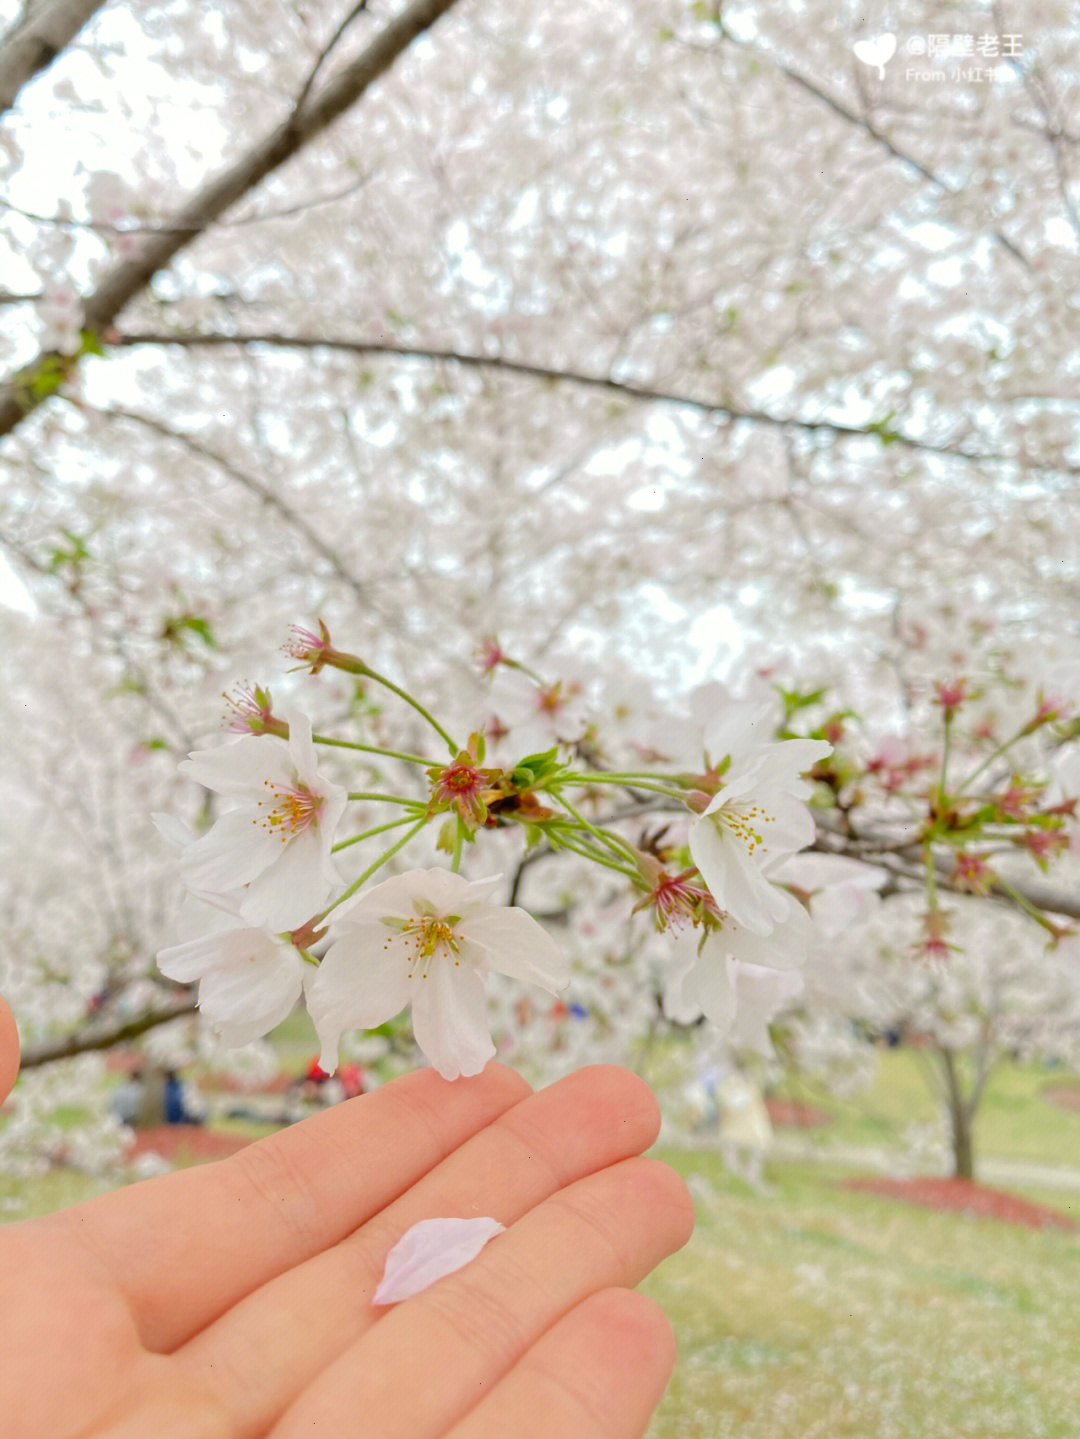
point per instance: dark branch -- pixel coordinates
(323, 56)
(34, 42)
(88, 1040)
(557, 375)
(120, 228)
(864, 123)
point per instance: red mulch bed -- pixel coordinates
(790, 1114)
(966, 1197)
(229, 1084)
(186, 1142)
(1066, 1096)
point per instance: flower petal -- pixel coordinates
(420, 891)
(239, 768)
(247, 1000)
(761, 994)
(361, 982)
(735, 880)
(172, 830)
(739, 730)
(301, 748)
(229, 855)
(699, 982)
(786, 946)
(450, 1021)
(428, 1251)
(290, 890)
(248, 980)
(512, 942)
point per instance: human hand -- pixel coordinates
(234, 1300)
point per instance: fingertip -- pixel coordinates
(626, 1094)
(9, 1050)
(670, 1195)
(638, 1329)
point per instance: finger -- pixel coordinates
(598, 1373)
(258, 1358)
(187, 1246)
(9, 1050)
(421, 1368)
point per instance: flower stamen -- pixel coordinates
(428, 935)
(294, 810)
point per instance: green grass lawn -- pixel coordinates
(809, 1312)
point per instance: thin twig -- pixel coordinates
(558, 374)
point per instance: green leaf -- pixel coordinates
(176, 627)
(47, 377)
(884, 430)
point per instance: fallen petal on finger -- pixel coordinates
(429, 1250)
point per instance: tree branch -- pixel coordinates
(864, 123)
(322, 57)
(554, 374)
(304, 124)
(255, 486)
(121, 227)
(86, 1041)
(1043, 896)
(34, 42)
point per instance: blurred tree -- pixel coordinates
(678, 339)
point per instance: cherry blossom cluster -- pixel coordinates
(281, 920)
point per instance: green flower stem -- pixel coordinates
(981, 769)
(367, 833)
(387, 854)
(371, 749)
(1026, 905)
(626, 781)
(945, 751)
(409, 700)
(459, 840)
(525, 670)
(376, 797)
(613, 842)
(598, 856)
(931, 877)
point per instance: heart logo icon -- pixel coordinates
(876, 52)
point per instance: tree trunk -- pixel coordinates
(961, 1115)
(963, 1155)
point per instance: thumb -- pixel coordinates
(9, 1050)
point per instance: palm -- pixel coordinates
(234, 1300)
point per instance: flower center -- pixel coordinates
(426, 937)
(290, 812)
(745, 824)
(678, 900)
(461, 779)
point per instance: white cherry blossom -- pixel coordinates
(734, 976)
(272, 849)
(427, 938)
(249, 979)
(756, 819)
